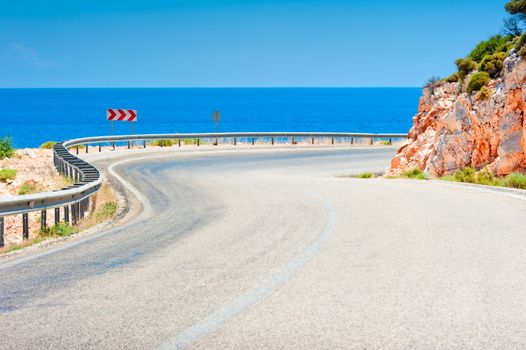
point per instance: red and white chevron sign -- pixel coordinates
(126, 115)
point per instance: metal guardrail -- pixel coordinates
(75, 199)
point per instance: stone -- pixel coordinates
(454, 130)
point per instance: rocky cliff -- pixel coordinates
(454, 130)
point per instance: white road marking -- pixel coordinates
(216, 319)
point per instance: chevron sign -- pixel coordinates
(127, 115)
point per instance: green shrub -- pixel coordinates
(7, 174)
(29, 188)
(61, 229)
(6, 148)
(515, 180)
(497, 43)
(48, 144)
(190, 141)
(477, 81)
(521, 45)
(107, 211)
(485, 177)
(453, 78)
(414, 174)
(493, 64)
(484, 94)
(163, 143)
(465, 66)
(365, 176)
(466, 175)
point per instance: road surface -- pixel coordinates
(254, 250)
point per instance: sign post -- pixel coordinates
(126, 115)
(216, 117)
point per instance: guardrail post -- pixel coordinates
(179, 142)
(390, 141)
(235, 141)
(77, 149)
(332, 140)
(352, 140)
(87, 148)
(81, 205)
(272, 141)
(129, 144)
(144, 144)
(57, 215)
(1, 232)
(100, 148)
(25, 226)
(66, 213)
(313, 140)
(217, 142)
(43, 219)
(74, 213)
(198, 142)
(293, 141)
(371, 141)
(252, 141)
(113, 144)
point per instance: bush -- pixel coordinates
(477, 81)
(7, 174)
(164, 143)
(493, 64)
(6, 148)
(365, 176)
(485, 177)
(48, 144)
(107, 211)
(484, 94)
(414, 174)
(515, 180)
(466, 175)
(453, 78)
(465, 66)
(61, 229)
(29, 188)
(497, 43)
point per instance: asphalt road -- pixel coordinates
(276, 250)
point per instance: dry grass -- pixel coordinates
(104, 199)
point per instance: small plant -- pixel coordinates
(61, 229)
(433, 83)
(6, 148)
(48, 145)
(497, 43)
(515, 180)
(365, 176)
(493, 64)
(414, 174)
(466, 175)
(485, 177)
(453, 78)
(191, 141)
(477, 81)
(483, 95)
(107, 211)
(29, 187)
(386, 142)
(162, 143)
(465, 66)
(7, 174)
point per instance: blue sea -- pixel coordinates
(33, 116)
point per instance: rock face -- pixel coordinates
(455, 130)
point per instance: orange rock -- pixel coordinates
(454, 130)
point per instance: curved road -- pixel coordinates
(266, 250)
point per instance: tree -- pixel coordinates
(517, 8)
(512, 26)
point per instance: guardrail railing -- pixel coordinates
(75, 199)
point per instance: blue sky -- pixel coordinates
(265, 43)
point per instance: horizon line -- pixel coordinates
(210, 87)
